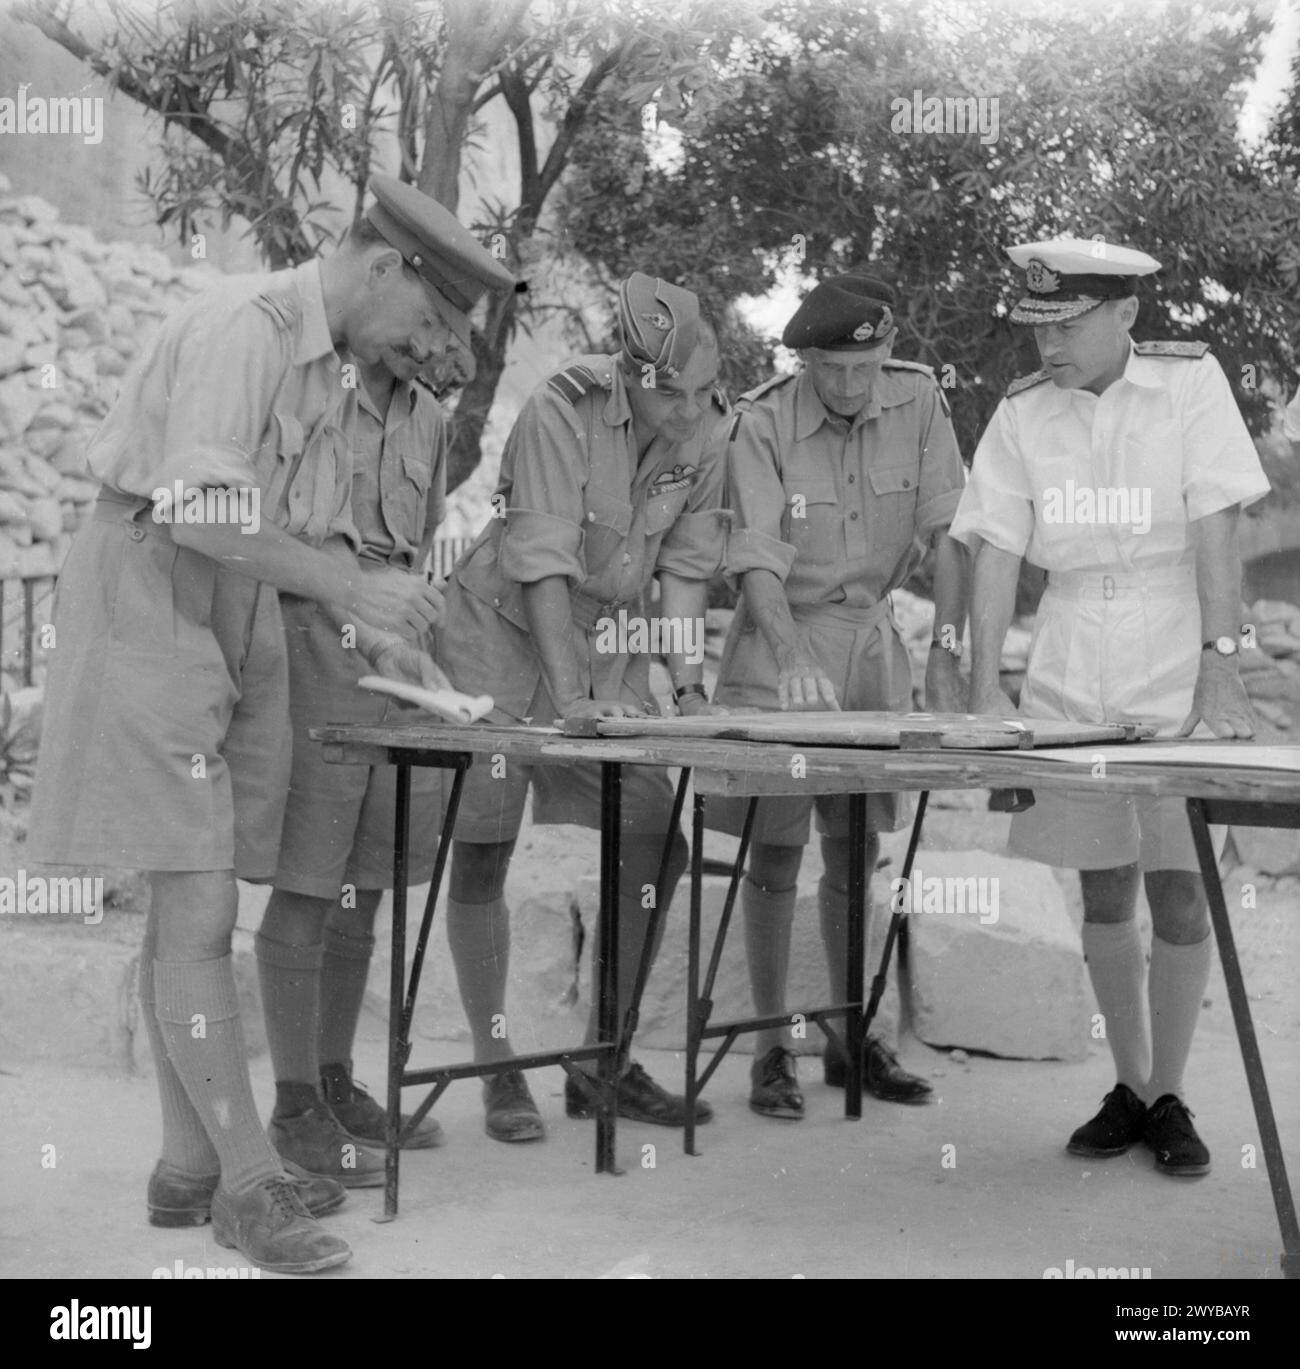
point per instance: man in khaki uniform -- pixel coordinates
(336, 856)
(166, 742)
(604, 487)
(837, 476)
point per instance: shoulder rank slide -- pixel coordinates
(575, 381)
(760, 390)
(1194, 350)
(1026, 383)
(281, 305)
(896, 364)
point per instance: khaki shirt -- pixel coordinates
(241, 388)
(399, 474)
(840, 510)
(572, 500)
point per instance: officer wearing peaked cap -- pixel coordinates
(606, 483)
(837, 477)
(167, 737)
(314, 945)
(1120, 468)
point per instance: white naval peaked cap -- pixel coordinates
(1067, 277)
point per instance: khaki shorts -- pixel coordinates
(338, 823)
(496, 787)
(165, 743)
(870, 669)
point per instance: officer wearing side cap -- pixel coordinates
(336, 854)
(838, 477)
(605, 485)
(166, 745)
(1120, 468)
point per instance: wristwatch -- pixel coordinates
(1223, 646)
(696, 688)
(953, 651)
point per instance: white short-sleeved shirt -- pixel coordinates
(1081, 482)
(1291, 418)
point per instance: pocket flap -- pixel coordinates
(893, 479)
(815, 491)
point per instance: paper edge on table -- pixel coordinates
(444, 703)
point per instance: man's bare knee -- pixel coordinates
(1179, 912)
(1109, 895)
(478, 870)
(774, 869)
(195, 911)
(294, 919)
(835, 859)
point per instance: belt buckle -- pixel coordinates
(1107, 586)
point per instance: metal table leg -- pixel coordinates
(397, 1049)
(857, 951)
(607, 1026)
(1246, 1039)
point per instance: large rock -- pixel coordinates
(1005, 976)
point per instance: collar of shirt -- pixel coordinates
(810, 413)
(314, 339)
(617, 410)
(398, 412)
(1146, 373)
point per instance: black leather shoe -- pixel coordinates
(775, 1086)
(882, 1076)
(175, 1198)
(1170, 1134)
(363, 1119)
(270, 1227)
(511, 1114)
(640, 1099)
(1114, 1129)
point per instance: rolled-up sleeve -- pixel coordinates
(996, 505)
(757, 498)
(1220, 464)
(943, 477)
(695, 547)
(546, 457)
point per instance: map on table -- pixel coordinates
(885, 730)
(1192, 751)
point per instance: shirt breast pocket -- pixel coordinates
(895, 486)
(411, 495)
(289, 441)
(813, 518)
(663, 511)
(606, 523)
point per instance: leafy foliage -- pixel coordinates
(1119, 123)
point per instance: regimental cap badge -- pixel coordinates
(658, 321)
(1040, 280)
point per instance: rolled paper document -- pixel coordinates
(445, 703)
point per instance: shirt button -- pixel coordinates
(627, 558)
(496, 603)
(854, 516)
(852, 478)
(907, 484)
(591, 517)
(137, 534)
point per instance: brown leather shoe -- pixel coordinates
(269, 1226)
(315, 1141)
(639, 1099)
(175, 1198)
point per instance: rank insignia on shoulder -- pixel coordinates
(1026, 383)
(897, 364)
(1194, 350)
(760, 390)
(575, 381)
(679, 478)
(281, 306)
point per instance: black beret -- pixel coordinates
(845, 313)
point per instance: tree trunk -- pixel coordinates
(475, 402)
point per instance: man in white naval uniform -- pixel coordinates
(1120, 469)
